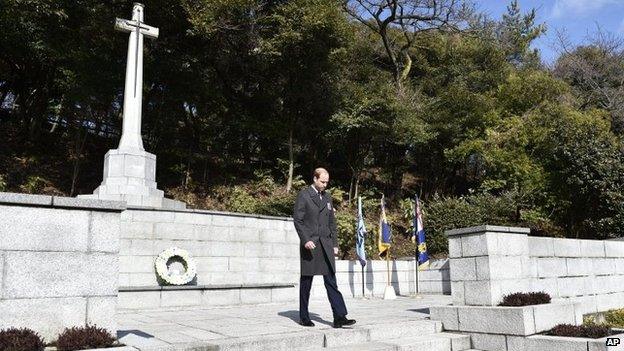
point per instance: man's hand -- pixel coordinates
(335, 251)
(309, 245)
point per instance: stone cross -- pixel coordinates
(129, 170)
(131, 132)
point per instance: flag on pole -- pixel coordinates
(419, 235)
(384, 231)
(361, 235)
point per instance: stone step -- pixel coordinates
(430, 342)
(273, 342)
(365, 346)
(433, 342)
(387, 331)
(377, 337)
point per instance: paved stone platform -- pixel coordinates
(402, 322)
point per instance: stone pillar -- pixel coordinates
(487, 262)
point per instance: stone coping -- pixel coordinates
(60, 202)
(487, 228)
(212, 212)
(507, 320)
(203, 287)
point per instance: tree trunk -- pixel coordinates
(205, 176)
(187, 174)
(79, 148)
(350, 191)
(357, 185)
(291, 161)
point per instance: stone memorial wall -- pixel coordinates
(241, 259)
(434, 280)
(488, 262)
(58, 262)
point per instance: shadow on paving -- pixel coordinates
(122, 333)
(420, 310)
(294, 316)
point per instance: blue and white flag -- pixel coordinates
(361, 235)
(419, 234)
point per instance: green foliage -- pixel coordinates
(615, 318)
(346, 224)
(34, 185)
(3, 183)
(445, 213)
(241, 201)
(516, 32)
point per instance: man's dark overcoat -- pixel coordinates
(314, 220)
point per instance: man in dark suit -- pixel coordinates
(316, 225)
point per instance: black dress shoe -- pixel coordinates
(343, 321)
(306, 323)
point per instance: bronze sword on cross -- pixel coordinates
(137, 26)
(132, 105)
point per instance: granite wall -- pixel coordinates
(241, 259)
(434, 280)
(58, 262)
(488, 262)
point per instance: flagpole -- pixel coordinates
(363, 295)
(416, 270)
(388, 264)
(417, 253)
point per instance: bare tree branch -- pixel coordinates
(398, 23)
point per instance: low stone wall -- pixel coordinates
(488, 262)
(229, 249)
(246, 250)
(58, 262)
(434, 280)
(590, 272)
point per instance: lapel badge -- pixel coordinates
(329, 206)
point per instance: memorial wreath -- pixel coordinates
(175, 279)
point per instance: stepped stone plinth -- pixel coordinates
(130, 175)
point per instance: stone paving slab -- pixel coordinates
(217, 327)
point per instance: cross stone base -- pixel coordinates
(130, 175)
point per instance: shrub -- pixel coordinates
(615, 318)
(525, 299)
(24, 339)
(241, 201)
(34, 185)
(580, 331)
(88, 337)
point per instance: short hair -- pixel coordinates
(318, 171)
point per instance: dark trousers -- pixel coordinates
(335, 297)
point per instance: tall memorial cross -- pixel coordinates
(129, 170)
(131, 131)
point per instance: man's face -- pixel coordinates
(320, 183)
